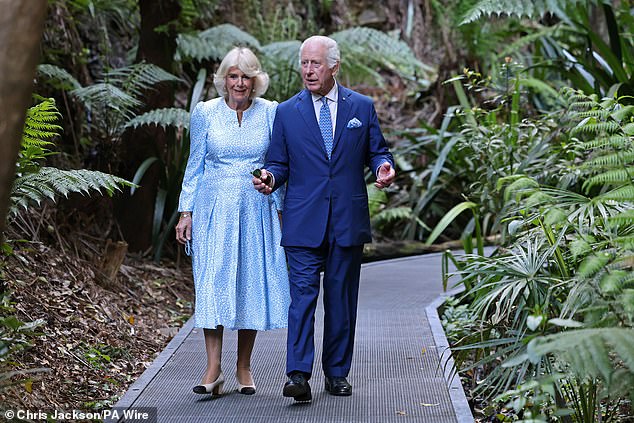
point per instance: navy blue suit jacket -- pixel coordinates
(297, 155)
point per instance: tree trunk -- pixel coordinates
(21, 26)
(135, 212)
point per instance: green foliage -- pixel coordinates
(388, 53)
(281, 61)
(49, 182)
(58, 77)
(212, 44)
(168, 117)
(530, 9)
(115, 100)
(34, 183)
(471, 164)
(605, 354)
(556, 302)
(39, 130)
(604, 135)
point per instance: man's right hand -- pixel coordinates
(262, 183)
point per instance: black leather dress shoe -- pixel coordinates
(338, 386)
(297, 387)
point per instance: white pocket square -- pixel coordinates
(354, 123)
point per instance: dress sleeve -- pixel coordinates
(279, 194)
(196, 160)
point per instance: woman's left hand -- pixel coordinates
(184, 228)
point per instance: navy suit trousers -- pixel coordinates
(342, 267)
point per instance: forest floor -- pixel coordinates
(88, 341)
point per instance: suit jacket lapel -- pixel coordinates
(344, 107)
(307, 111)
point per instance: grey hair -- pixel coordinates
(245, 60)
(332, 50)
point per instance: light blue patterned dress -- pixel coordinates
(239, 266)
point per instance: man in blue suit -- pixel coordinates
(323, 138)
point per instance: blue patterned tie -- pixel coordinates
(325, 125)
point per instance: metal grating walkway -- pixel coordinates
(395, 374)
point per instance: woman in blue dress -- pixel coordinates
(239, 267)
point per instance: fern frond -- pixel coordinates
(596, 113)
(623, 113)
(606, 353)
(624, 242)
(38, 126)
(387, 52)
(58, 77)
(596, 128)
(613, 141)
(193, 47)
(624, 194)
(392, 214)
(281, 61)
(592, 265)
(49, 182)
(610, 160)
(230, 36)
(213, 43)
(104, 96)
(624, 219)
(530, 9)
(612, 177)
(139, 77)
(178, 118)
(581, 105)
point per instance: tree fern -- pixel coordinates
(387, 52)
(58, 77)
(115, 100)
(178, 118)
(529, 9)
(213, 43)
(139, 77)
(281, 61)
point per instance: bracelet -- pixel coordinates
(186, 214)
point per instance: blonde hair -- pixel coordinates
(245, 60)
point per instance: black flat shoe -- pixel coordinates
(338, 386)
(298, 388)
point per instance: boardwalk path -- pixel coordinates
(395, 374)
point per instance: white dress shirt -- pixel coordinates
(332, 96)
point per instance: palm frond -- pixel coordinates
(178, 118)
(50, 182)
